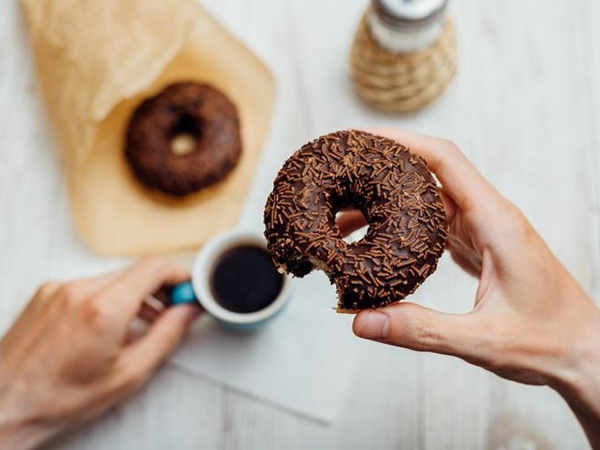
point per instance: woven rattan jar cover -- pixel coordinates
(403, 57)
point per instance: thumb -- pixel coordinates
(418, 328)
(161, 339)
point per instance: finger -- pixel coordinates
(468, 259)
(28, 316)
(466, 264)
(449, 206)
(42, 298)
(350, 221)
(148, 313)
(137, 329)
(418, 328)
(78, 290)
(75, 291)
(146, 354)
(458, 176)
(124, 296)
(162, 295)
(87, 287)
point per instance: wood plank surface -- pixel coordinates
(525, 107)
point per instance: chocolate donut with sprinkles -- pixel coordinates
(393, 189)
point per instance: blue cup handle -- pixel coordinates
(182, 293)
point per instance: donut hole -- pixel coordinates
(356, 222)
(184, 136)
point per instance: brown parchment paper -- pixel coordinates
(97, 60)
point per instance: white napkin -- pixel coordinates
(302, 360)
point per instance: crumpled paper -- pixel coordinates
(97, 60)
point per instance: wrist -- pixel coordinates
(18, 428)
(22, 436)
(579, 381)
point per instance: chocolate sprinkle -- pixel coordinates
(391, 187)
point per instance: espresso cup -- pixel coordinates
(200, 288)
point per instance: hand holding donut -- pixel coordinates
(531, 321)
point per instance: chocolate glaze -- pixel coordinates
(192, 108)
(392, 188)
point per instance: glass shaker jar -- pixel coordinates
(404, 53)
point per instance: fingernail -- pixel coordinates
(191, 311)
(195, 312)
(371, 325)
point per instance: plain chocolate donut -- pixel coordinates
(183, 108)
(392, 188)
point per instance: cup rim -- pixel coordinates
(201, 273)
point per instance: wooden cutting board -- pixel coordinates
(92, 88)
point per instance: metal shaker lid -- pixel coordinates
(409, 13)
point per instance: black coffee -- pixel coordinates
(245, 280)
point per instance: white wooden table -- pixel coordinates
(525, 107)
